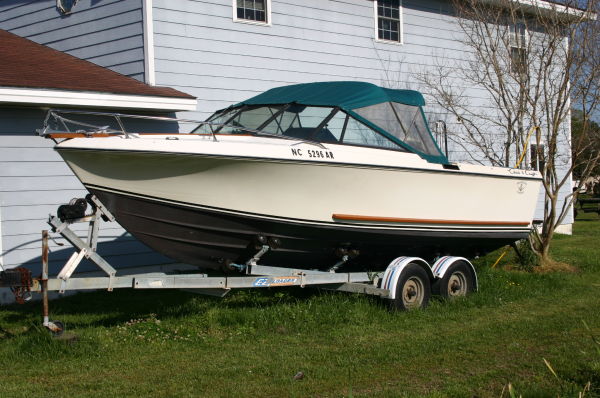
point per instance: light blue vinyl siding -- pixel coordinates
(108, 32)
(34, 181)
(199, 48)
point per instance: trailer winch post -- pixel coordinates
(84, 249)
(55, 327)
(45, 276)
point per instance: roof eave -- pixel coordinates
(568, 14)
(31, 96)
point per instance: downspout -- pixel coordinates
(570, 140)
(149, 71)
(1, 251)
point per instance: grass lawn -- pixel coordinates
(252, 343)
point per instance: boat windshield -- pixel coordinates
(405, 122)
(310, 123)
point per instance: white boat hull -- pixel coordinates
(315, 199)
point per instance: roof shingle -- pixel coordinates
(27, 64)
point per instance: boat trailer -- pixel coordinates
(407, 282)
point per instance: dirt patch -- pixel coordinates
(555, 266)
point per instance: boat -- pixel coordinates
(316, 172)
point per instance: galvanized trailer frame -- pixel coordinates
(251, 273)
(407, 282)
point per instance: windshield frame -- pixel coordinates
(400, 146)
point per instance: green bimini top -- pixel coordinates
(396, 115)
(346, 95)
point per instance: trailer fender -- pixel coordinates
(442, 265)
(394, 270)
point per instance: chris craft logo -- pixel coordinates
(277, 281)
(522, 172)
(521, 186)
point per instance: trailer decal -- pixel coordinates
(276, 281)
(441, 262)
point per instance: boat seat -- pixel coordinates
(304, 133)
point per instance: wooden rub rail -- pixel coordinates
(353, 217)
(77, 135)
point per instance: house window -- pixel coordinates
(252, 11)
(518, 47)
(518, 60)
(389, 20)
(538, 160)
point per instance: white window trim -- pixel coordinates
(518, 44)
(526, 36)
(376, 19)
(248, 21)
(530, 158)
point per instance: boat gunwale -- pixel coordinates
(334, 163)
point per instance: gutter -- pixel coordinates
(94, 99)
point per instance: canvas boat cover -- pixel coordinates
(395, 114)
(346, 95)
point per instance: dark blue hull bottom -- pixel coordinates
(213, 238)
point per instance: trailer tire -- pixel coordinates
(458, 281)
(413, 289)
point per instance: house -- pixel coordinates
(223, 51)
(33, 178)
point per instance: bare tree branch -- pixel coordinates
(534, 64)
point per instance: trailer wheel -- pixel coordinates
(458, 281)
(413, 289)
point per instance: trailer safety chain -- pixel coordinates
(20, 282)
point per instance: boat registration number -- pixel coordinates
(312, 153)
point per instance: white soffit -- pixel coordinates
(105, 100)
(568, 12)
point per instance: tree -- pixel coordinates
(532, 60)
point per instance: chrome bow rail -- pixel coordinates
(59, 124)
(61, 121)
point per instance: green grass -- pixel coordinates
(252, 343)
